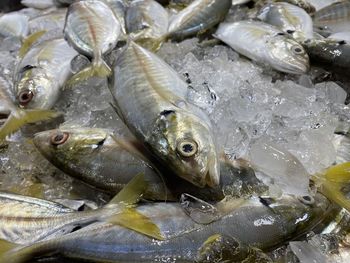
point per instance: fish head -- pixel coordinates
(34, 89)
(68, 144)
(288, 56)
(186, 144)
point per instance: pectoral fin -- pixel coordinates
(132, 219)
(29, 41)
(132, 192)
(23, 117)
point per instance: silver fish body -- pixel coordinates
(146, 20)
(289, 18)
(14, 25)
(341, 36)
(335, 17)
(91, 28)
(198, 17)
(119, 9)
(252, 223)
(151, 99)
(94, 157)
(41, 73)
(105, 162)
(265, 44)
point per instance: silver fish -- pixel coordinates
(151, 99)
(198, 17)
(25, 220)
(335, 17)
(39, 4)
(18, 117)
(341, 36)
(289, 18)
(107, 162)
(251, 223)
(42, 73)
(93, 30)
(265, 44)
(119, 9)
(146, 22)
(14, 25)
(95, 157)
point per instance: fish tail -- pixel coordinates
(333, 181)
(98, 68)
(128, 217)
(21, 117)
(10, 253)
(152, 44)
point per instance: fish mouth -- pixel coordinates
(301, 67)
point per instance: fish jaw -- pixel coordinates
(180, 131)
(288, 56)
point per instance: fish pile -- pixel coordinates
(175, 131)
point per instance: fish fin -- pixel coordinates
(98, 68)
(132, 192)
(132, 219)
(152, 44)
(338, 173)
(22, 117)
(5, 247)
(29, 41)
(333, 191)
(332, 181)
(133, 147)
(14, 253)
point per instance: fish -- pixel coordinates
(107, 162)
(150, 98)
(42, 73)
(289, 18)
(250, 224)
(319, 4)
(330, 53)
(198, 17)
(265, 44)
(345, 36)
(14, 25)
(38, 4)
(119, 8)
(96, 157)
(92, 29)
(18, 117)
(146, 22)
(334, 17)
(53, 20)
(26, 220)
(304, 4)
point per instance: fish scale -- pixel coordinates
(151, 99)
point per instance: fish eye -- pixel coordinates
(59, 138)
(297, 50)
(187, 148)
(307, 200)
(25, 96)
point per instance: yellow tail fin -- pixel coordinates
(29, 41)
(132, 219)
(98, 68)
(132, 192)
(332, 182)
(23, 117)
(9, 253)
